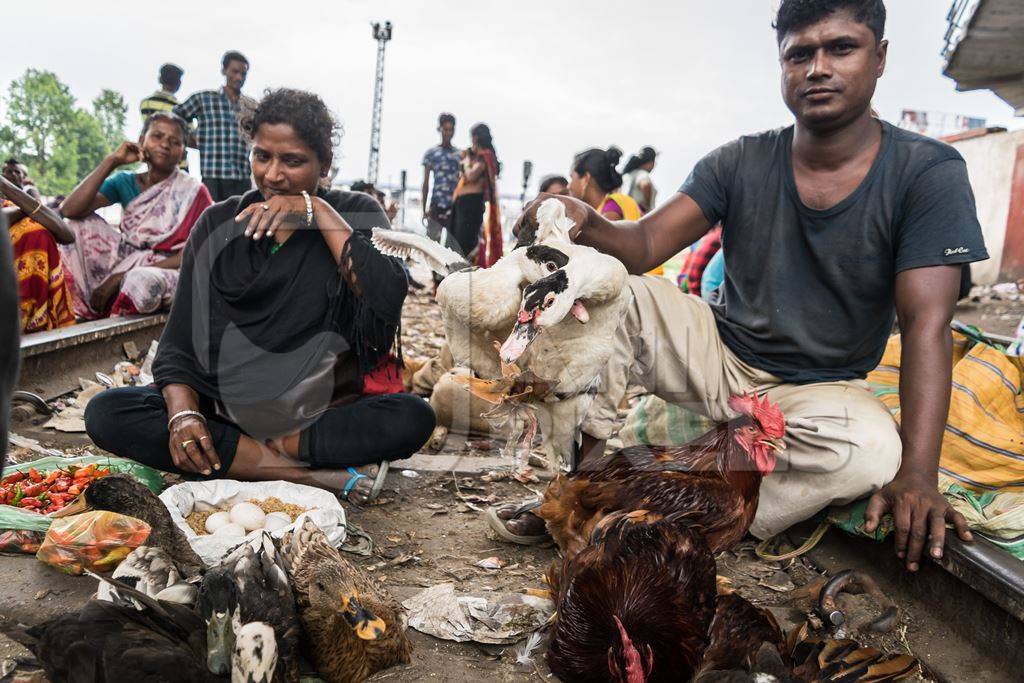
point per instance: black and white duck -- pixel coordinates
(250, 585)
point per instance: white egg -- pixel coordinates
(248, 515)
(274, 523)
(231, 529)
(281, 515)
(216, 521)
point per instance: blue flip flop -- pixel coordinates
(352, 481)
(378, 482)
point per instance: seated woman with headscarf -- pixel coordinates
(275, 362)
(44, 297)
(134, 269)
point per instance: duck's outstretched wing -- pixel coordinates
(441, 260)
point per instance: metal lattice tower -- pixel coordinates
(382, 34)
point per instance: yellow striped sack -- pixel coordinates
(983, 447)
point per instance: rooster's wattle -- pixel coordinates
(636, 604)
(714, 480)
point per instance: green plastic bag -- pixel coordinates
(26, 520)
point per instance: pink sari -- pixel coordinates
(154, 226)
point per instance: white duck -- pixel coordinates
(561, 278)
(478, 306)
(564, 332)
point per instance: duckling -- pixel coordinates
(250, 585)
(124, 494)
(354, 627)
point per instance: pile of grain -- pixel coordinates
(197, 520)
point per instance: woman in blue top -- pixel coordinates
(133, 269)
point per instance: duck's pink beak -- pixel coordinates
(523, 334)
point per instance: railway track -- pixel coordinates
(52, 361)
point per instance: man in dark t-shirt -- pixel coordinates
(832, 228)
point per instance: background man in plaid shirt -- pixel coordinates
(223, 149)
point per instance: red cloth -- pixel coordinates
(490, 246)
(386, 378)
(700, 257)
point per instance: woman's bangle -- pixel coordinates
(184, 413)
(309, 209)
(39, 205)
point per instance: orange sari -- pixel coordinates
(42, 287)
(490, 246)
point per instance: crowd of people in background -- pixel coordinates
(74, 265)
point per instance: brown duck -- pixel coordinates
(353, 627)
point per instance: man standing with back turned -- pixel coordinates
(164, 99)
(829, 226)
(223, 150)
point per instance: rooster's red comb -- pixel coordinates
(767, 414)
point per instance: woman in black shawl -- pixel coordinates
(277, 357)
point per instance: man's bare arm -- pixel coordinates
(925, 298)
(640, 245)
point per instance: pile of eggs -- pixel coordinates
(243, 518)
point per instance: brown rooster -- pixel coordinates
(635, 605)
(714, 479)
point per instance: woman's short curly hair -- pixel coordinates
(305, 112)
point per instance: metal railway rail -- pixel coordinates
(52, 361)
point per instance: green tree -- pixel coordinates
(109, 109)
(59, 142)
(39, 108)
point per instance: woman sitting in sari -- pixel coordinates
(275, 361)
(134, 270)
(35, 231)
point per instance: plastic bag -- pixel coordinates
(20, 541)
(96, 540)
(147, 475)
(199, 496)
(20, 519)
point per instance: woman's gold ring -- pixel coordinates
(203, 438)
(184, 444)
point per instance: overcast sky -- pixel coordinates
(550, 78)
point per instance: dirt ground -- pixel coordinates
(429, 527)
(992, 312)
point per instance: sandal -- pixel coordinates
(378, 482)
(497, 524)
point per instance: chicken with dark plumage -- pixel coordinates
(715, 480)
(636, 604)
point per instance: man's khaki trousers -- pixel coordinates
(841, 442)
